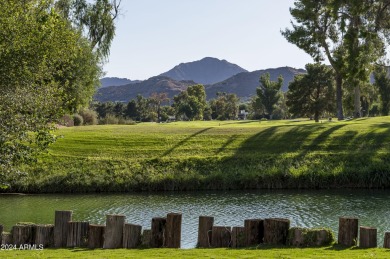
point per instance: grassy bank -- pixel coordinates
(215, 155)
(325, 252)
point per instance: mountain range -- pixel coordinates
(217, 76)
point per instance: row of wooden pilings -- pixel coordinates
(166, 232)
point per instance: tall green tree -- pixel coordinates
(47, 68)
(225, 106)
(350, 34)
(312, 93)
(191, 103)
(268, 93)
(382, 83)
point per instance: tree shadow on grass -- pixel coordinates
(169, 151)
(226, 144)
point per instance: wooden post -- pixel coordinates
(61, 227)
(306, 237)
(77, 234)
(23, 234)
(6, 238)
(158, 232)
(254, 231)
(95, 236)
(238, 237)
(368, 237)
(221, 236)
(146, 237)
(276, 231)
(44, 235)
(1, 232)
(204, 231)
(131, 236)
(173, 230)
(348, 231)
(113, 236)
(386, 240)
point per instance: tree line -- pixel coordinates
(311, 95)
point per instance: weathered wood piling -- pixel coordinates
(386, 240)
(23, 234)
(158, 232)
(146, 237)
(238, 237)
(205, 227)
(348, 231)
(1, 233)
(368, 237)
(44, 235)
(113, 235)
(221, 236)
(61, 220)
(254, 231)
(131, 236)
(77, 234)
(166, 232)
(95, 236)
(6, 238)
(305, 237)
(173, 230)
(276, 231)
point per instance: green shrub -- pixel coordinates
(77, 120)
(67, 120)
(124, 121)
(109, 119)
(89, 116)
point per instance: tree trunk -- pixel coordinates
(221, 236)
(158, 232)
(276, 231)
(23, 234)
(339, 97)
(44, 235)
(357, 104)
(114, 231)
(316, 116)
(368, 237)
(131, 236)
(61, 227)
(77, 234)
(173, 230)
(348, 231)
(254, 231)
(386, 240)
(96, 236)
(204, 231)
(238, 237)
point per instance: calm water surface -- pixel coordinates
(304, 208)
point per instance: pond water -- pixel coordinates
(320, 208)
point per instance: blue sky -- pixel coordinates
(155, 35)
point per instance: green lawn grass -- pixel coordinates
(324, 252)
(214, 155)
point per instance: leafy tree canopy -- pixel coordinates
(312, 93)
(47, 68)
(268, 93)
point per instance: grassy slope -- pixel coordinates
(215, 155)
(325, 252)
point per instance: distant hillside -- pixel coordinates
(115, 81)
(245, 84)
(158, 84)
(205, 71)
